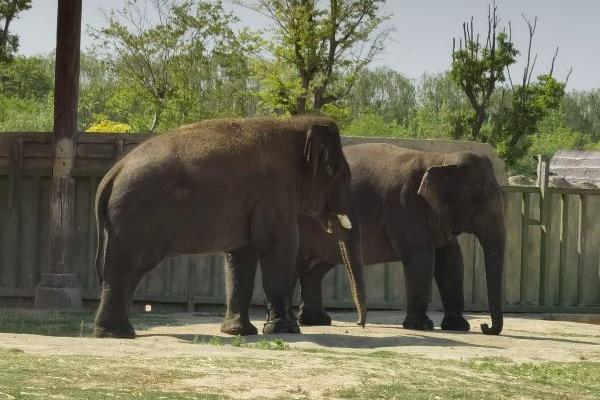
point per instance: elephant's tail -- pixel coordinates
(102, 234)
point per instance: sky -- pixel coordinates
(421, 40)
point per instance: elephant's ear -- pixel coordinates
(318, 150)
(436, 187)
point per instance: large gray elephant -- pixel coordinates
(215, 186)
(411, 206)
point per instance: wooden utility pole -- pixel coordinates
(59, 288)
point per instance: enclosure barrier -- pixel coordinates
(552, 253)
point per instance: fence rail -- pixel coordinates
(552, 257)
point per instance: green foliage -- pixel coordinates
(9, 43)
(318, 48)
(26, 115)
(372, 125)
(385, 92)
(174, 65)
(514, 124)
(275, 344)
(582, 112)
(478, 69)
(28, 77)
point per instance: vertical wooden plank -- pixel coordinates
(398, 298)
(377, 277)
(191, 302)
(4, 218)
(569, 254)
(513, 255)
(328, 288)
(466, 244)
(28, 234)
(530, 269)
(36, 210)
(552, 249)
(399, 280)
(10, 235)
(156, 284)
(435, 303)
(202, 276)
(179, 275)
(388, 284)
(339, 285)
(219, 278)
(258, 297)
(479, 283)
(44, 218)
(81, 229)
(91, 286)
(589, 274)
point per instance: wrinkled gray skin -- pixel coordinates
(216, 186)
(411, 206)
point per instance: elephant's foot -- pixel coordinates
(235, 326)
(454, 321)
(116, 332)
(313, 317)
(281, 326)
(418, 322)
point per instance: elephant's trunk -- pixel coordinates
(353, 263)
(492, 237)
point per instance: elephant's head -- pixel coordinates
(327, 195)
(464, 196)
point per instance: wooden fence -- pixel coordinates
(552, 254)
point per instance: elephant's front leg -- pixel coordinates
(449, 278)
(311, 309)
(277, 266)
(240, 270)
(418, 271)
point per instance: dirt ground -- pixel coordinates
(526, 338)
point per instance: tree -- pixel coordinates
(582, 112)
(385, 92)
(9, 43)
(28, 77)
(516, 122)
(156, 45)
(325, 47)
(478, 69)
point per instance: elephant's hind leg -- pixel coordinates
(449, 278)
(122, 273)
(311, 309)
(240, 270)
(278, 273)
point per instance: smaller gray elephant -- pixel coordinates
(411, 207)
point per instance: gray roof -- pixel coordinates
(576, 166)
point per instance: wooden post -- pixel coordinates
(59, 287)
(543, 175)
